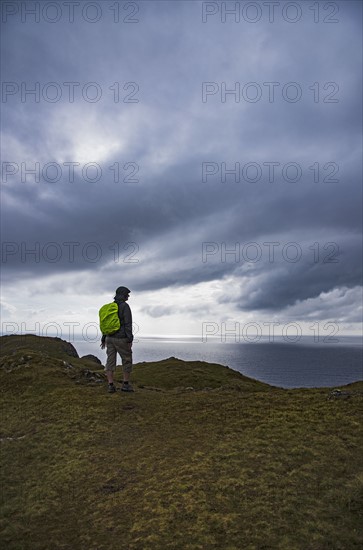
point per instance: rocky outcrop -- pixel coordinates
(68, 348)
(52, 346)
(92, 358)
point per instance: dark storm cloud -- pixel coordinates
(171, 213)
(285, 285)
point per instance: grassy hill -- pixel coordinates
(198, 457)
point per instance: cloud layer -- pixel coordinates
(217, 153)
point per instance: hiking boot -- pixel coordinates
(111, 388)
(127, 387)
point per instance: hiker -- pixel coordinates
(120, 342)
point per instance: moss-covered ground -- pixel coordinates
(199, 457)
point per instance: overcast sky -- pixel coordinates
(210, 161)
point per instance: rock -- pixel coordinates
(93, 358)
(339, 394)
(68, 348)
(92, 376)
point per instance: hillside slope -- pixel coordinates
(198, 457)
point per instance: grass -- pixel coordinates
(198, 457)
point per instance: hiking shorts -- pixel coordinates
(119, 346)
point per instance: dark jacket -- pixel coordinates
(125, 316)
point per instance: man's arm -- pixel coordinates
(128, 323)
(103, 341)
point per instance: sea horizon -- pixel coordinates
(309, 362)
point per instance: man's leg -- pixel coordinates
(111, 360)
(125, 351)
(127, 363)
(109, 374)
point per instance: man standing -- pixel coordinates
(120, 342)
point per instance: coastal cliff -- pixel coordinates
(198, 457)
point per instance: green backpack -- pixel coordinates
(109, 319)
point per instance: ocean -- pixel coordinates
(305, 364)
